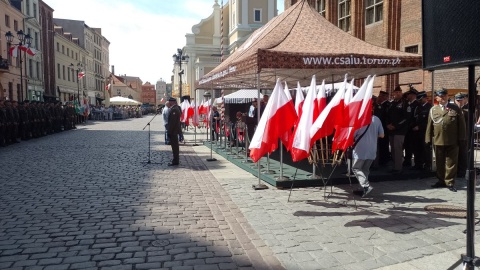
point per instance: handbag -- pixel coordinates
(349, 150)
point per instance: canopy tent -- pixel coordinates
(298, 44)
(123, 101)
(240, 96)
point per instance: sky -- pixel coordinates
(143, 34)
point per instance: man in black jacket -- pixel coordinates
(397, 127)
(174, 128)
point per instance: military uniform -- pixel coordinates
(411, 137)
(445, 129)
(174, 128)
(421, 151)
(398, 123)
(381, 110)
(462, 147)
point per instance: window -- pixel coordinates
(257, 15)
(37, 67)
(58, 70)
(234, 21)
(30, 68)
(35, 10)
(15, 25)
(374, 11)
(36, 40)
(412, 49)
(58, 47)
(27, 6)
(320, 7)
(68, 51)
(344, 15)
(63, 49)
(69, 74)
(63, 72)
(7, 20)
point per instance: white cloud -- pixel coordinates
(143, 34)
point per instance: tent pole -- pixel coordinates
(194, 126)
(260, 185)
(209, 116)
(281, 177)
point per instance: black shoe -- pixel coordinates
(438, 185)
(452, 188)
(366, 190)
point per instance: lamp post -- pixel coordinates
(178, 58)
(78, 69)
(23, 39)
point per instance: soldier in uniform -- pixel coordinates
(23, 124)
(12, 123)
(3, 124)
(174, 129)
(445, 130)
(421, 151)
(461, 100)
(380, 110)
(411, 137)
(397, 126)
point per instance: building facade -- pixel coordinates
(149, 95)
(12, 80)
(392, 24)
(48, 52)
(162, 95)
(216, 37)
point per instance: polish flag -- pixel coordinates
(288, 135)
(365, 115)
(184, 106)
(81, 74)
(301, 142)
(28, 50)
(14, 51)
(299, 101)
(195, 118)
(107, 87)
(325, 123)
(353, 116)
(278, 116)
(320, 101)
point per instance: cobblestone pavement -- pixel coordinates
(88, 199)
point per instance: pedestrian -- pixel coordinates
(445, 130)
(397, 127)
(422, 153)
(215, 123)
(365, 152)
(461, 99)
(165, 120)
(174, 129)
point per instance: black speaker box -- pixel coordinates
(451, 33)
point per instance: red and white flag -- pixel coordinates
(278, 116)
(81, 74)
(325, 123)
(365, 115)
(28, 50)
(287, 137)
(195, 117)
(301, 143)
(299, 98)
(184, 106)
(353, 116)
(320, 101)
(14, 51)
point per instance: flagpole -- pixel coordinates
(208, 95)
(260, 185)
(281, 177)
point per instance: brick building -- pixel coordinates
(393, 24)
(149, 95)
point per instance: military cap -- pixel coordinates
(460, 96)
(383, 92)
(421, 94)
(412, 91)
(398, 88)
(441, 92)
(172, 99)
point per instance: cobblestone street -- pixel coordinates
(87, 199)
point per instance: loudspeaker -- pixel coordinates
(451, 33)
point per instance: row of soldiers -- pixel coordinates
(405, 119)
(33, 119)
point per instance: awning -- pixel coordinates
(240, 96)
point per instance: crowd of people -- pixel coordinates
(22, 121)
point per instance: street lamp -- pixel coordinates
(23, 39)
(178, 58)
(78, 69)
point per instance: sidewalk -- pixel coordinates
(88, 199)
(390, 230)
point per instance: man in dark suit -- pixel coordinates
(421, 151)
(174, 128)
(380, 110)
(445, 130)
(461, 99)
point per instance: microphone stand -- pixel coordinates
(149, 147)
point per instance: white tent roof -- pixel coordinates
(240, 96)
(123, 101)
